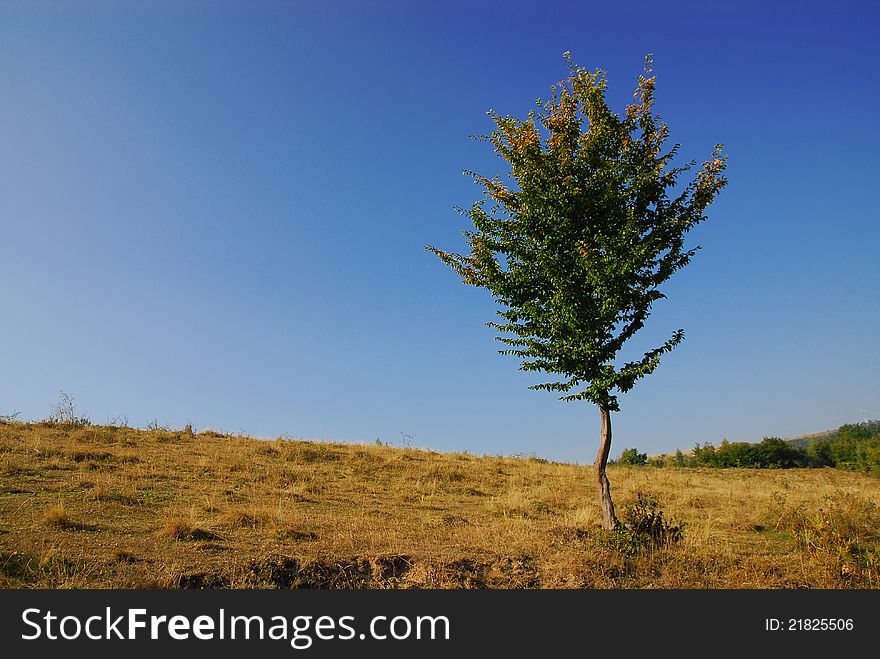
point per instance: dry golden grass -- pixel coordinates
(178, 528)
(106, 507)
(55, 516)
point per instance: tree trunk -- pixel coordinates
(608, 518)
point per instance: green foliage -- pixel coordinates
(631, 456)
(854, 447)
(771, 453)
(776, 453)
(857, 431)
(575, 243)
(642, 527)
(680, 460)
(820, 454)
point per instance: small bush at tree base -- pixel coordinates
(643, 526)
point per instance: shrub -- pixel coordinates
(631, 456)
(643, 527)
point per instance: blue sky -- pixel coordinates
(216, 214)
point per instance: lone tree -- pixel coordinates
(576, 241)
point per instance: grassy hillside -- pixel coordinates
(119, 507)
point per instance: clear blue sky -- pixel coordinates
(215, 213)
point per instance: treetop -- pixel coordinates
(576, 240)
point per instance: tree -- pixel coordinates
(680, 460)
(631, 456)
(820, 453)
(578, 238)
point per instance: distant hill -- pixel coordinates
(870, 427)
(801, 441)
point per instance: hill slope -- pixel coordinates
(802, 441)
(867, 428)
(119, 507)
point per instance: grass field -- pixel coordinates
(104, 506)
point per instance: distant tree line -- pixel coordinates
(853, 446)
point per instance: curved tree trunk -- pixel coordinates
(608, 518)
